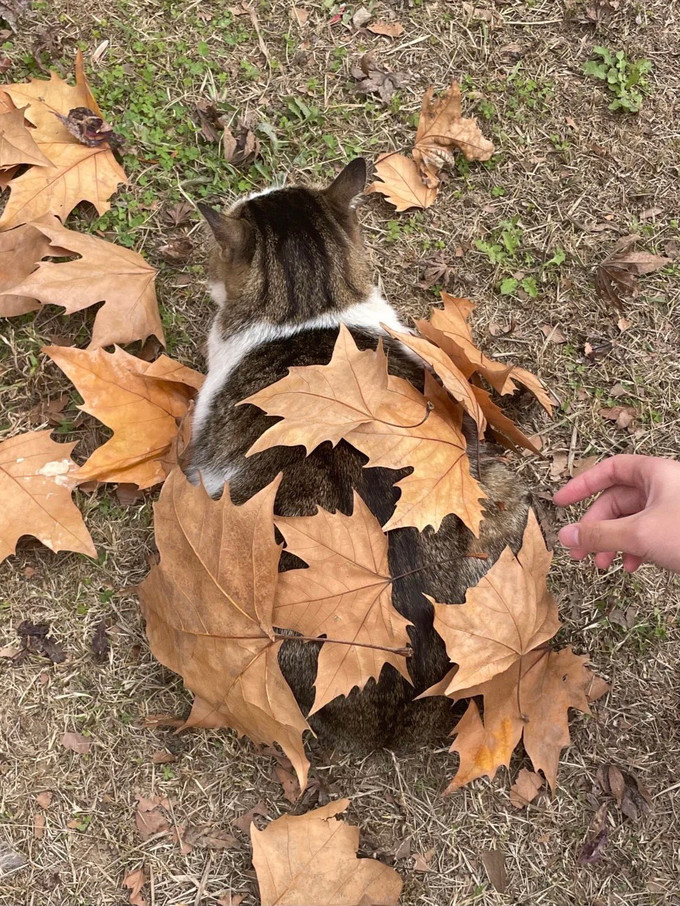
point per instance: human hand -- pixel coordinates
(638, 512)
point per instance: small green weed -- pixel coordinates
(504, 250)
(625, 80)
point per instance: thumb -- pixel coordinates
(605, 535)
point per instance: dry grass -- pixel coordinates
(577, 178)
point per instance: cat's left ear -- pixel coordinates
(348, 184)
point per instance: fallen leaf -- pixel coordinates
(311, 859)
(17, 145)
(44, 799)
(36, 638)
(592, 850)
(20, 250)
(152, 817)
(361, 17)
(582, 465)
(624, 416)
(10, 860)
(388, 29)
(104, 272)
(141, 402)
(525, 789)
(100, 641)
(559, 463)
(241, 148)
(209, 837)
(441, 130)
(493, 861)
(10, 652)
(506, 615)
(617, 275)
(134, 881)
(220, 624)
(631, 796)
(75, 172)
(76, 742)
(376, 79)
(504, 429)
(421, 861)
(398, 179)
(291, 788)
(177, 250)
(37, 476)
(246, 819)
(163, 757)
(301, 15)
(553, 334)
(89, 128)
(530, 701)
(385, 418)
(344, 594)
(229, 899)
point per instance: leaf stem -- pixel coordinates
(404, 652)
(428, 408)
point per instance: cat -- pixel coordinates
(288, 267)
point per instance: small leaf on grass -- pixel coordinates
(246, 819)
(134, 881)
(100, 641)
(376, 79)
(525, 789)
(631, 796)
(493, 861)
(624, 416)
(387, 29)
(593, 850)
(398, 179)
(152, 817)
(44, 799)
(76, 742)
(617, 275)
(310, 860)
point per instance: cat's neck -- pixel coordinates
(226, 353)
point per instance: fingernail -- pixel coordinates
(569, 535)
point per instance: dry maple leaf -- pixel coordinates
(310, 860)
(525, 789)
(141, 402)
(441, 130)
(37, 476)
(398, 179)
(617, 275)
(531, 700)
(384, 417)
(75, 172)
(134, 881)
(448, 328)
(208, 610)
(507, 614)
(446, 369)
(17, 145)
(20, 250)
(345, 594)
(104, 272)
(504, 430)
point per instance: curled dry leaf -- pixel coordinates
(385, 418)
(617, 275)
(153, 817)
(624, 416)
(525, 789)
(310, 860)
(134, 881)
(37, 476)
(373, 78)
(507, 614)
(17, 145)
(345, 594)
(631, 796)
(441, 130)
(143, 403)
(208, 609)
(75, 172)
(89, 128)
(104, 272)
(398, 179)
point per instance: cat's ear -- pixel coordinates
(348, 184)
(233, 235)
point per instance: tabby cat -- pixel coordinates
(287, 268)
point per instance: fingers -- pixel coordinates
(611, 504)
(631, 562)
(624, 469)
(605, 536)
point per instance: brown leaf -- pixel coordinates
(134, 881)
(624, 416)
(217, 630)
(77, 743)
(152, 817)
(398, 179)
(441, 130)
(388, 29)
(128, 494)
(631, 796)
(507, 614)
(376, 79)
(617, 275)
(37, 476)
(141, 402)
(311, 859)
(421, 861)
(39, 822)
(104, 272)
(301, 15)
(209, 837)
(229, 899)
(553, 334)
(345, 594)
(592, 850)
(291, 788)
(176, 250)
(246, 819)
(35, 637)
(384, 417)
(44, 799)
(17, 145)
(75, 172)
(493, 861)
(504, 429)
(525, 789)
(242, 148)
(530, 701)
(100, 641)
(89, 128)
(20, 250)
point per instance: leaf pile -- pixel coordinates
(413, 182)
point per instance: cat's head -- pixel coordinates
(290, 254)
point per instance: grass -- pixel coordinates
(569, 178)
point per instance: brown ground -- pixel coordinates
(577, 177)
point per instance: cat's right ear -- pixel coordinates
(233, 235)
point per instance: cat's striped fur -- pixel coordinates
(286, 269)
